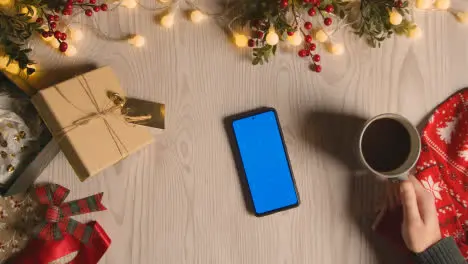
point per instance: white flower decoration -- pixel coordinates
(433, 187)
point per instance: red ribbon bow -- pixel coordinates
(58, 214)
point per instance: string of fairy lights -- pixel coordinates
(167, 11)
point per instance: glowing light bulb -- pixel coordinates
(25, 10)
(3, 61)
(13, 68)
(272, 38)
(240, 40)
(442, 4)
(295, 39)
(335, 48)
(137, 41)
(71, 51)
(423, 4)
(129, 3)
(75, 34)
(55, 44)
(321, 36)
(414, 32)
(462, 17)
(5, 2)
(167, 20)
(395, 18)
(197, 16)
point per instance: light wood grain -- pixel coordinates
(179, 200)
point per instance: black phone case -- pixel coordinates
(228, 121)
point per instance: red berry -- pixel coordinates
(92, 1)
(64, 36)
(316, 58)
(251, 43)
(39, 20)
(69, 6)
(318, 68)
(308, 38)
(45, 34)
(56, 18)
(329, 8)
(50, 17)
(63, 46)
(104, 7)
(316, 2)
(58, 34)
(260, 34)
(66, 12)
(96, 8)
(88, 12)
(290, 33)
(302, 53)
(312, 46)
(284, 4)
(53, 25)
(327, 21)
(50, 33)
(79, 1)
(312, 11)
(308, 25)
(399, 4)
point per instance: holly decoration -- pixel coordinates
(26, 17)
(370, 19)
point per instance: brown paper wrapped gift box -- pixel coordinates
(77, 113)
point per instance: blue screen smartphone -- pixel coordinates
(264, 161)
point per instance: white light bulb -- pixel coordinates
(321, 36)
(167, 20)
(240, 40)
(54, 43)
(395, 18)
(3, 61)
(75, 34)
(13, 68)
(196, 16)
(442, 4)
(25, 10)
(71, 51)
(5, 2)
(272, 38)
(335, 48)
(414, 32)
(423, 4)
(129, 3)
(295, 39)
(137, 41)
(462, 17)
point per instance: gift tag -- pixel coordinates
(145, 113)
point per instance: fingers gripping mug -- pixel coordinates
(389, 146)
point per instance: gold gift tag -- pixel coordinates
(138, 108)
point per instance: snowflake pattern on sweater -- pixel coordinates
(445, 139)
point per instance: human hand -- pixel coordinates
(420, 224)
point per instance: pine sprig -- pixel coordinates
(372, 20)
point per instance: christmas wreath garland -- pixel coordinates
(260, 25)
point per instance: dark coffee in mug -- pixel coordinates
(385, 144)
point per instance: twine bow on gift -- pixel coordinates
(58, 214)
(116, 108)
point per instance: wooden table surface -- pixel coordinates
(179, 200)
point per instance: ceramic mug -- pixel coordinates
(401, 172)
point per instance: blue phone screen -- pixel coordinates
(265, 162)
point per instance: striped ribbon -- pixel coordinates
(58, 214)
